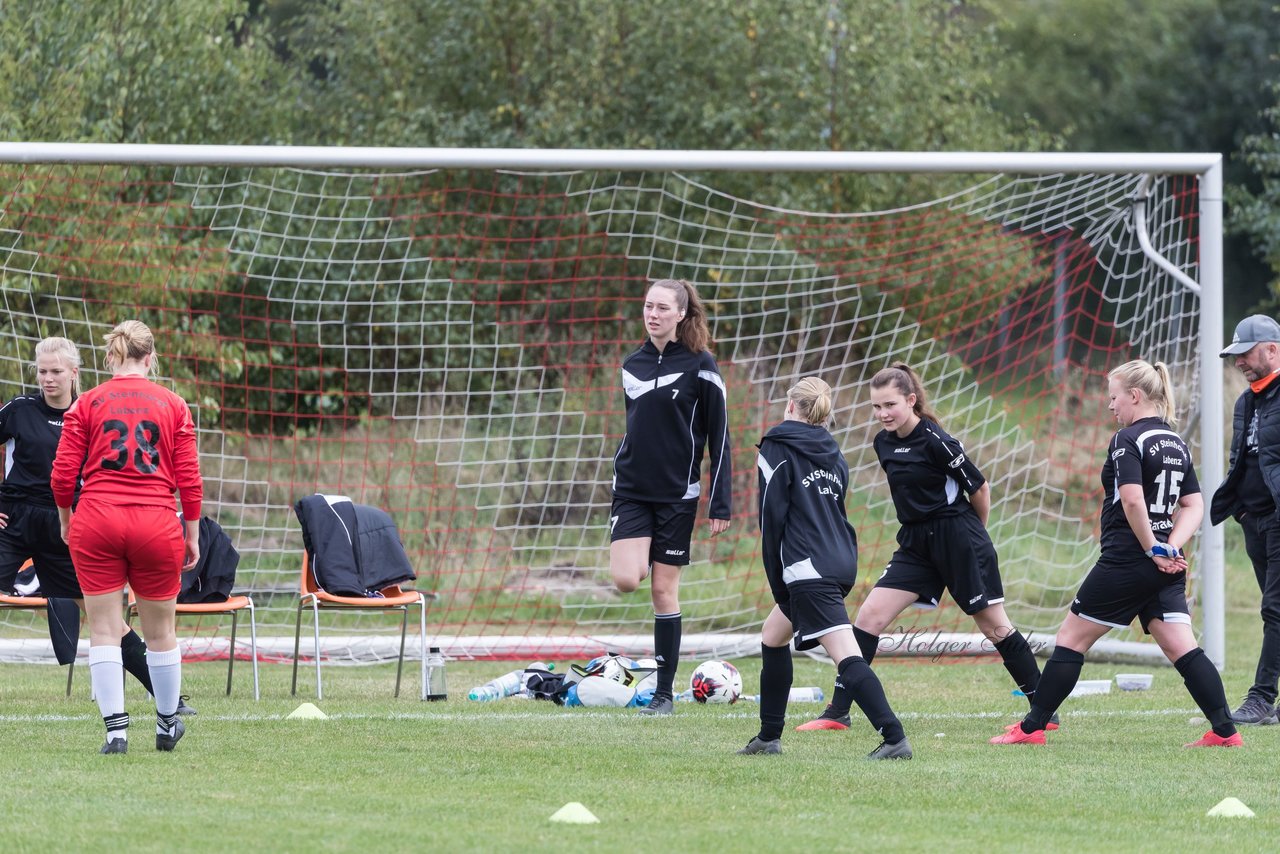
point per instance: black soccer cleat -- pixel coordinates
(756, 747)
(659, 705)
(115, 745)
(898, 750)
(168, 742)
(183, 708)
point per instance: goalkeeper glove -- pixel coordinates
(1163, 550)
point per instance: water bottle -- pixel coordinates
(685, 696)
(503, 686)
(806, 695)
(436, 687)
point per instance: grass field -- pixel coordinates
(391, 775)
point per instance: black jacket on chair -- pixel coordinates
(213, 576)
(355, 549)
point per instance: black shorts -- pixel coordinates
(1114, 592)
(669, 525)
(34, 532)
(954, 553)
(815, 608)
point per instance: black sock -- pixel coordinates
(666, 649)
(133, 654)
(1020, 661)
(868, 644)
(1205, 686)
(857, 677)
(775, 685)
(1061, 673)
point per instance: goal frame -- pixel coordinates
(1206, 167)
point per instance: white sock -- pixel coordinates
(166, 679)
(106, 673)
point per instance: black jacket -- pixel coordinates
(355, 549)
(804, 532)
(213, 576)
(1225, 501)
(676, 407)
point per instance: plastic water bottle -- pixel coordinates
(806, 695)
(504, 686)
(436, 687)
(685, 696)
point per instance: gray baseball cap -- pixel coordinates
(1254, 329)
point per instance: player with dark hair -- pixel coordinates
(810, 554)
(1151, 507)
(942, 501)
(30, 426)
(132, 443)
(676, 408)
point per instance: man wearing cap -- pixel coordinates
(1251, 493)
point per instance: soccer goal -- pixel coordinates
(438, 332)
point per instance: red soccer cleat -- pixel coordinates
(1049, 727)
(1015, 735)
(822, 723)
(1212, 739)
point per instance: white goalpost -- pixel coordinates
(438, 332)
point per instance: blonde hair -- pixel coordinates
(65, 350)
(1153, 381)
(900, 376)
(692, 330)
(129, 340)
(813, 400)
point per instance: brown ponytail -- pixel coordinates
(692, 330)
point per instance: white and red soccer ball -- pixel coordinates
(716, 682)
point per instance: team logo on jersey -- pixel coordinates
(636, 387)
(675, 552)
(956, 463)
(902, 450)
(1117, 453)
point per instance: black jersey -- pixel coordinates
(676, 409)
(804, 532)
(929, 474)
(30, 430)
(1149, 453)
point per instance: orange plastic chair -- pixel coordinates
(233, 606)
(393, 599)
(32, 603)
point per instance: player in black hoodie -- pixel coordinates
(675, 403)
(810, 555)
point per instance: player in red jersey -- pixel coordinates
(132, 442)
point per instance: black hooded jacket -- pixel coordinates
(804, 531)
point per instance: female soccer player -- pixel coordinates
(132, 443)
(30, 426)
(810, 556)
(942, 501)
(675, 404)
(1151, 507)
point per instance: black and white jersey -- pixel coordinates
(804, 532)
(676, 408)
(1149, 453)
(30, 430)
(929, 474)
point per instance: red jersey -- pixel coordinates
(132, 442)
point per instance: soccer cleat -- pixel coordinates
(659, 705)
(1212, 739)
(1254, 711)
(897, 750)
(1015, 735)
(183, 708)
(1049, 727)
(115, 745)
(756, 746)
(170, 740)
(827, 720)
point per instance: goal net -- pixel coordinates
(444, 343)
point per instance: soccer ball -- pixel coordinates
(716, 682)
(615, 668)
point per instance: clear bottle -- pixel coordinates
(806, 695)
(437, 688)
(503, 686)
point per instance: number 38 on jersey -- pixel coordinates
(137, 445)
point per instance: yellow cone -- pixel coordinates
(307, 711)
(1231, 808)
(575, 813)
